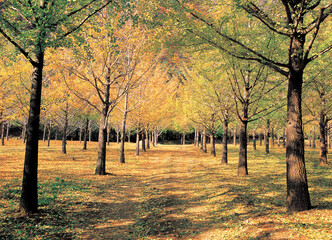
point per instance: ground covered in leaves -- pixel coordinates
(168, 192)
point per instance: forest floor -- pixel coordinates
(168, 192)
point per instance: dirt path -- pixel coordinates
(158, 198)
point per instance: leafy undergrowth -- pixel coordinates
(168, 192)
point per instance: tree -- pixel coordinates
(303, 20)
(33, 26)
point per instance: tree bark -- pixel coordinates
(102, 138)
(213, 145)
(143, 141)
(204, 140)
(254, 140)
(147, 139)
(297, 187)
(323, 136)
(2, 133)
(29, 193)
(242, 167)
(266, 137)
(272, 136)
(64, 131)
(137, 142)
(7, 132)
(123, 130)
(224, 159)
(260, 139)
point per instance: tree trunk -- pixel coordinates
(297, 187)
(242, 167)
(213, 145)
(7, 132)
(2, 134)
(254, 140)
(137, 142)
(323, 136)
(123, 130)
(29, 193)
(284, 138)
(329, 137)
(204, 140)
(85, 134)
(266, 137)
(80, 133)
(260, 136)
(143, 141)
(183, 138)
(224, 159)
(90, 131)
(118, 134)
(128, 136)
(147, 139)
(313, 137)
(102, 137)
(64, 134)
(272, 137)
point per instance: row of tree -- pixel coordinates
(160, 63)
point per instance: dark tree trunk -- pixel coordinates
(329, 137)
(85, 134)
(284, 138)
(29, 193)
(102, 138)
(260, 136)
(143, 141)
(213, 145)
(254, 140)
(267, 136)
(123, 130)
(2, 134)
(224, 159)
(242, 167)
(147, 139)
(323, 136)
(297, 187)
(80, 133)
(137, 142)
(272, 137)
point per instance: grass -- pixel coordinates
(168, 192)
